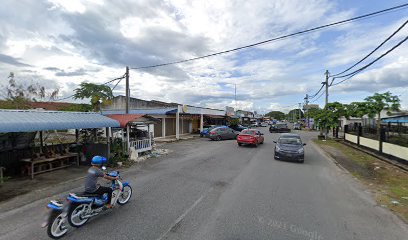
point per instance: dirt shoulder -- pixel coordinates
(388, 183)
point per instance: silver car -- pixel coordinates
(222, 133)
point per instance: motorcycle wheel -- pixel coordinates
(125, 195)
(74, 217)
(55, 231)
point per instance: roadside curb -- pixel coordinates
(382, 158)
(323, 152)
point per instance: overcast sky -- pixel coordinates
(62, 43)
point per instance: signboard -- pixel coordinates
(229, 111)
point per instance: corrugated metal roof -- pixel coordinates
(30, 121)
(124, 119)
(396, 119)
(152, 111)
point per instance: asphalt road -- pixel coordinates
(217, 190)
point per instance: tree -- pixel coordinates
(329, 116)
(278, 115)
(99, 94)
(378, 102)
(18, 94)
(233, 122)
(293, 115)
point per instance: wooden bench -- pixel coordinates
(49, 164)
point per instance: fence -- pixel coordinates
(391, 140)
(142, 145)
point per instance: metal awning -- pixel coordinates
(31, 121)
(133, 119)
(149, 111)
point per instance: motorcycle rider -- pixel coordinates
(95, 172)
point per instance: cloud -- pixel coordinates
(74, 41)
(12, 61)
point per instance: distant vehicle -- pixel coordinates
(251, 137)
(222, 133)
(238, 128)
(207, 129)
(254, 124)
(290, 147)
(297, 126)
(264, 124)
(279, 128)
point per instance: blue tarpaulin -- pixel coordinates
(31, 121)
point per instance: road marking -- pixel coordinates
(182, 216)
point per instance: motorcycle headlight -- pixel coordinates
(300, 150)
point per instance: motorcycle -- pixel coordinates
(56, 219)
(80, 207)
(86, 205)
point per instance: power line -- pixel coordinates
(318, 97)
(371, 63)
(399, 7)
(386, 40)
(71, 96)
(314, 95)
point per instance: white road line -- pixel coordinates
(182, 216)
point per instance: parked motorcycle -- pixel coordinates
(80, 207)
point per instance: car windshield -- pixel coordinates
(250, 132)
(292, 141)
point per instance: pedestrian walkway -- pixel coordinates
(22, 190)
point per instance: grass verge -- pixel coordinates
(387, 182)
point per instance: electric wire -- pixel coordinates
(279, 38)
(375, 49)
(115, 79)
(371, 63)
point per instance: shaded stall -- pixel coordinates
(19, 127)
(135, 130)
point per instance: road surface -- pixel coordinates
(217, 190)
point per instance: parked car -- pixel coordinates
(207, 129)
(263, 124)
(250, 136)
(254, 124)
(238, 128)
(279, 128)
(297, 126)
(290, 147)
(221, 133)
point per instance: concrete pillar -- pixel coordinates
(163, 127)
(108, 141)
(128, 137)
(182, 125)
(201, 123)
(178, 122)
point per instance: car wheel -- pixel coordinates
(239, 144)
(218, 138)
(301, 161)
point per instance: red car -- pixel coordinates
(250, 136)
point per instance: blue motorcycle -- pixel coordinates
(86, 205)
(80, 207)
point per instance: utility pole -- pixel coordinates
(127, 90)
(235, 95)
(127, 111)
(300, 111)
(327, 86)
(327, 98)
(306, 109)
